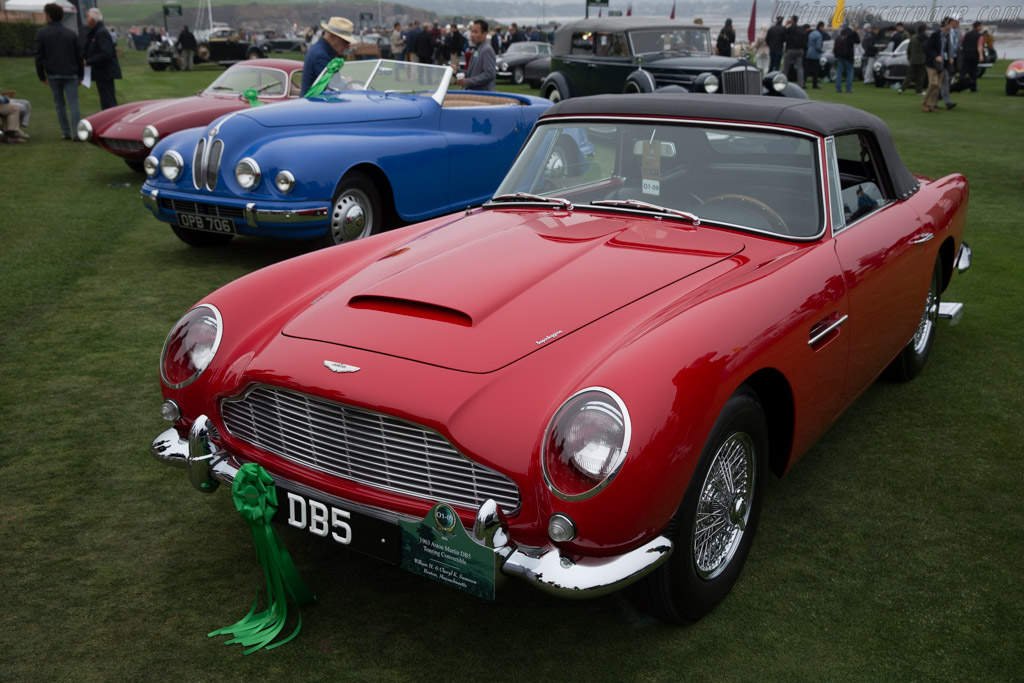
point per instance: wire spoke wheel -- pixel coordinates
(723, 506)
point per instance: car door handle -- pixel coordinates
(825, 331)
(922, 238)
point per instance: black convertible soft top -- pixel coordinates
(823, 118)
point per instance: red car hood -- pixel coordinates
(197, 110)
(491, 288)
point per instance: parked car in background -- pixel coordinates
(892, 66)
(642, 54)
(512, 63)
(1014, 77)
(537, 70)
(583, 384)
(385, 143)
(225, 46)
(131, 130)
(281, 42)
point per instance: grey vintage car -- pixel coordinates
(644, 54)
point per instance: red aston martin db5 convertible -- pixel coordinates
(583, 383)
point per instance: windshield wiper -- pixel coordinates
(528, 197)
(647, 206)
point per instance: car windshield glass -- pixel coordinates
(760, 180)
(238, 79)
(670, 40)
(522, 48)
(385, 75)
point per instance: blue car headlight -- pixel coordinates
(247, 173)
(285, 182)
(171, 164)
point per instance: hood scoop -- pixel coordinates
(490, 288)
(413, 309)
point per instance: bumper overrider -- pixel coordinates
(546, 568)
(290, 218)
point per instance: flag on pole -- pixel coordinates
(629, 10)
(598, 12)
(753, 21)
(837, 18)
(673, 15)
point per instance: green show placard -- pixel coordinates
(439, 548)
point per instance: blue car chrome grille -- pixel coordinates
(365, 447)
(206, 163)
(201, 208)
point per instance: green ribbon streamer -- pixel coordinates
(251, 95)
(325, 77)
(256, 500)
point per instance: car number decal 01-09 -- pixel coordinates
(355, 530)
(206, 223)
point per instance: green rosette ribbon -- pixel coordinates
(253, 97)
(256, 500)
(321, 83)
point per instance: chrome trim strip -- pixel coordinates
(963, 258)
(824, 333)
(926, 237)
(149, 199)
(254, 216)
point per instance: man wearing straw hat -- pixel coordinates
(336, 38)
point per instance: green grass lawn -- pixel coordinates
(893, 551)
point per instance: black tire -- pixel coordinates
(518, 76)
(355, 212)
(695, 579)
(553, 93)
(912, 359)
(981, 71)
(880, 82)
(1011, 87)
(157, 67)
(198, 238)
(136, 166)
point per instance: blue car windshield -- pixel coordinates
(762, 180)
(385, 75)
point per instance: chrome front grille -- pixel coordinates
(363, 446)
(119, 145)
(206, 163)
(741, 81)
(201, 208)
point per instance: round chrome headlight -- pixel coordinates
(585, 444)
(1011, 73)
(504, 66)
(709, 82)
(171, 164)
(285, 181)
(247, 173)
(151, 166)
(150, 136)
(877, 66)
(191, 346)
(823, 62)
(779, 82)
(84, 130)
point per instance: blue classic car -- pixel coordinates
(385, 143)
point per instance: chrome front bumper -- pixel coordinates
(953, 310)
(545, 567)
(254, 217)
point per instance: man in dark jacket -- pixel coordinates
(917, 76)
(796, 43)
(726, 38)
(775, 39)
(187, 43)
(934, 63)
(971, 53)
(101, 57)
(59, 65)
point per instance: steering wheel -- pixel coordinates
(755, 206)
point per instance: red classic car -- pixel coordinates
(131, 130)
(583, 383)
